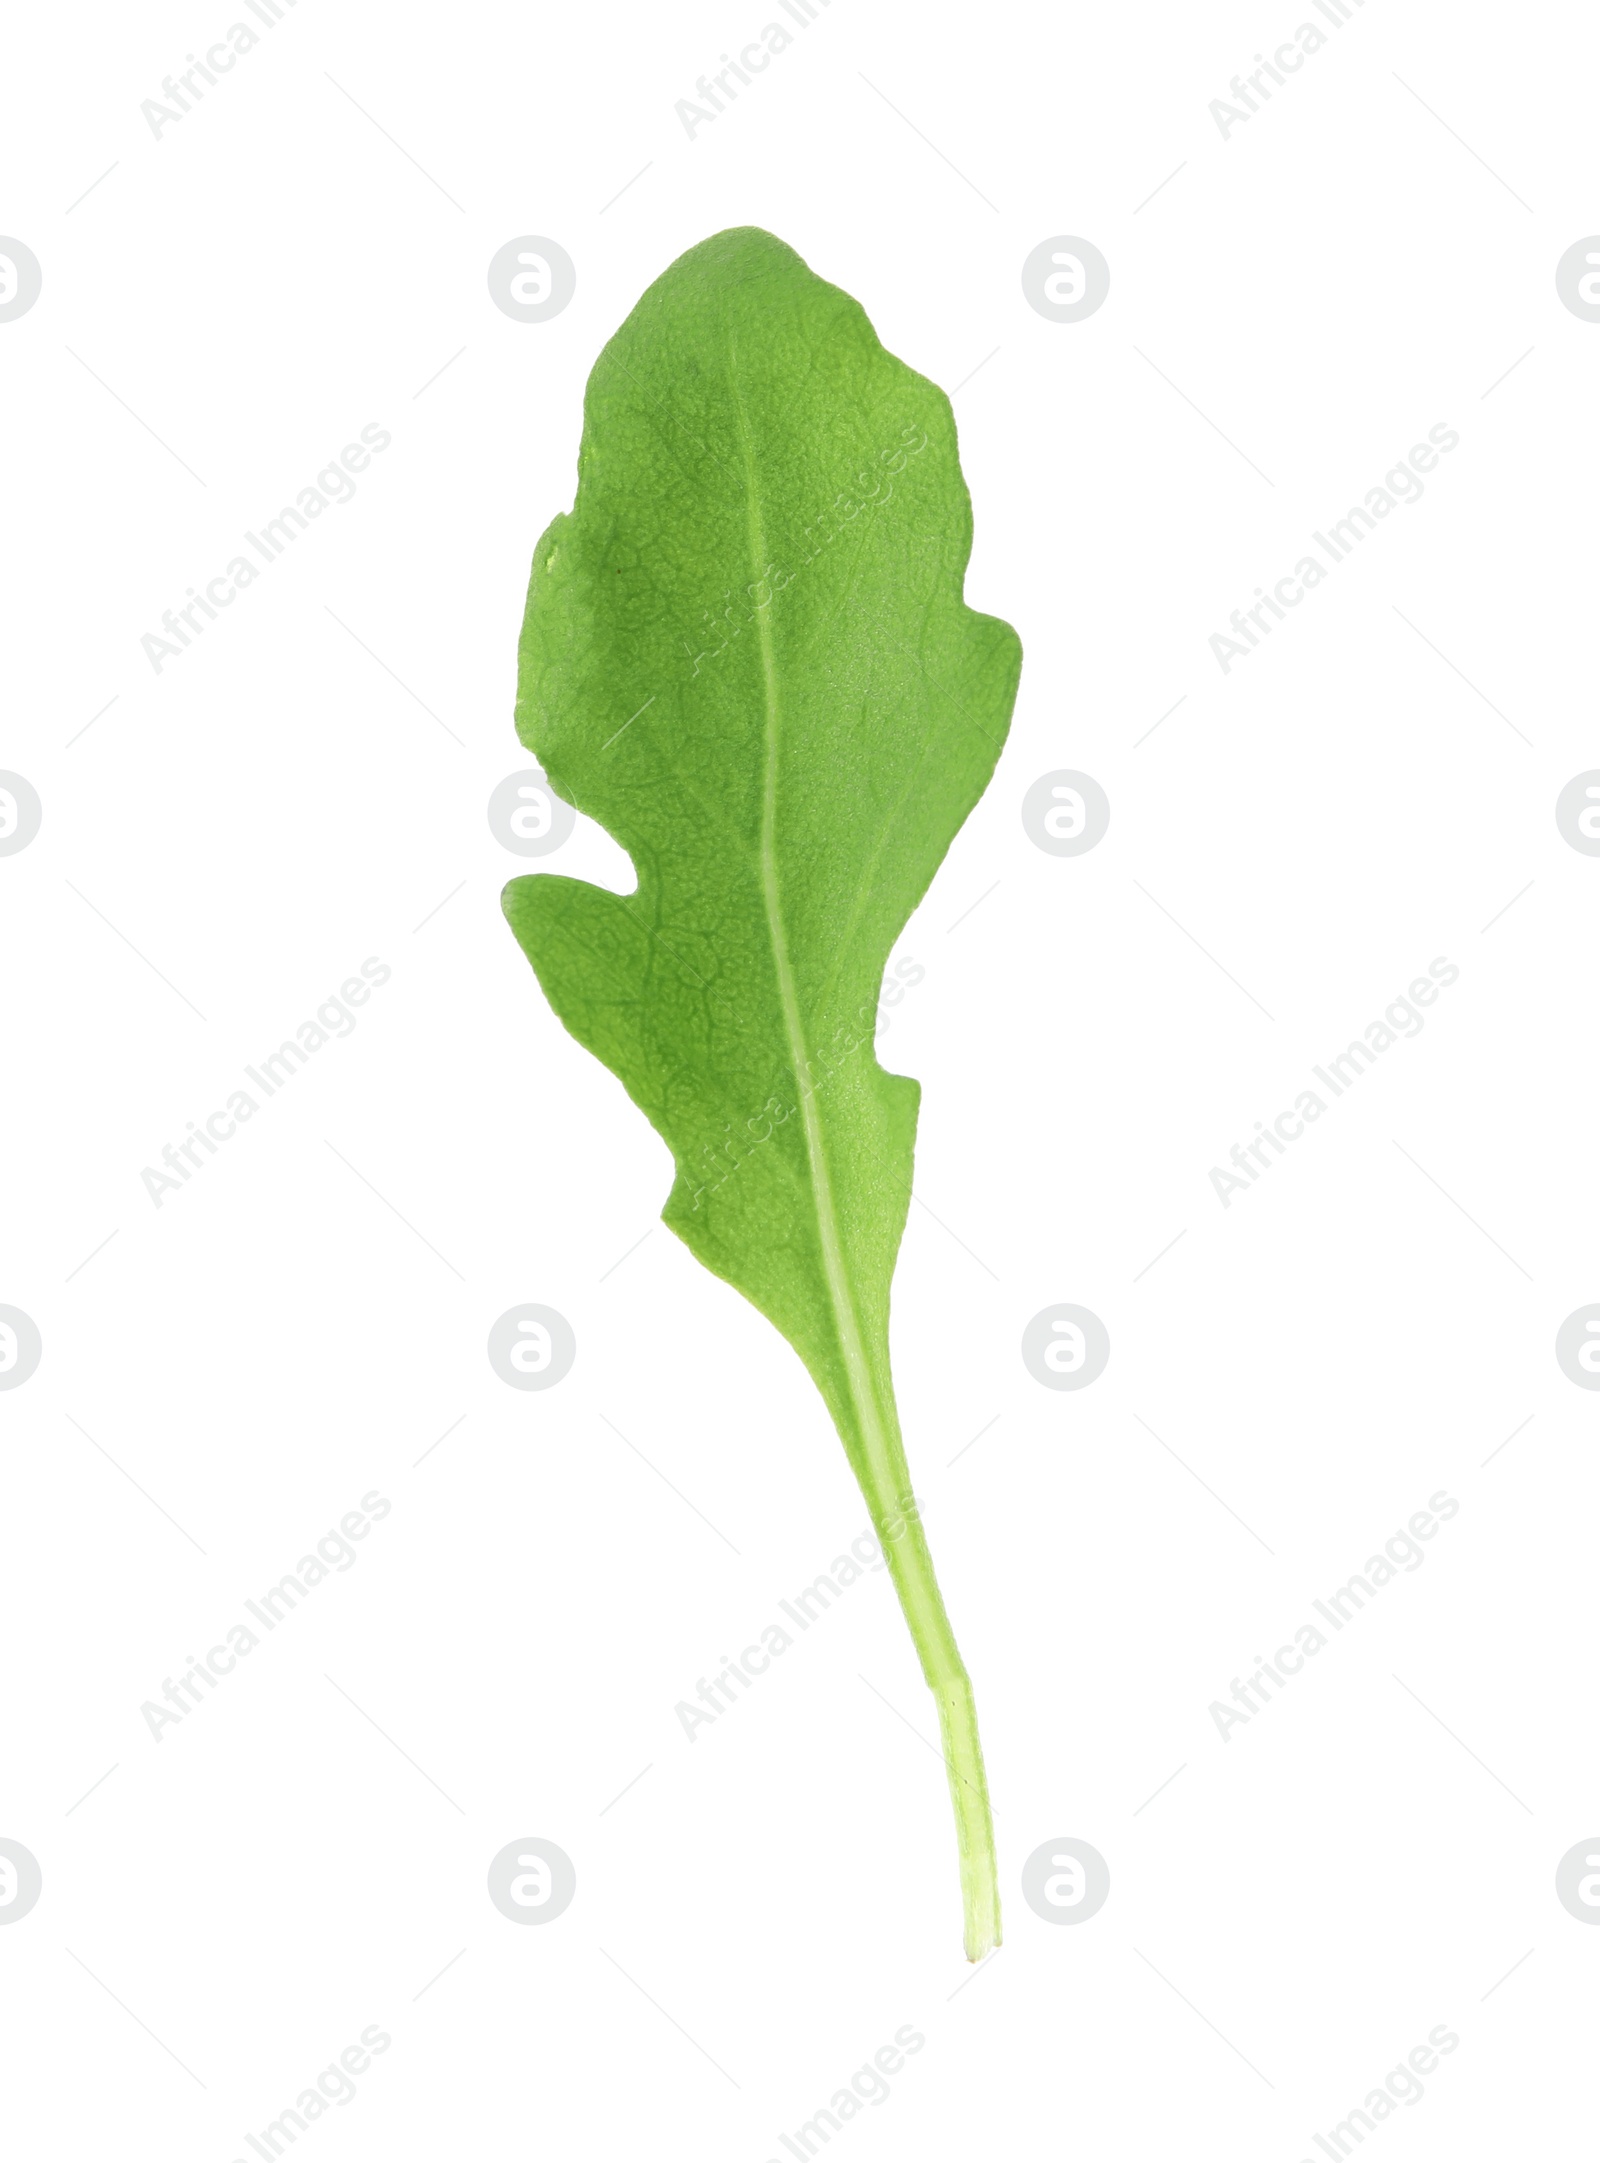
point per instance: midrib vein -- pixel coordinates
(840, 1291)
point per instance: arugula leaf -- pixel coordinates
(746, 654)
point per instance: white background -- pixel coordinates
(305, 787)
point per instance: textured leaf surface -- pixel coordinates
(746, 654)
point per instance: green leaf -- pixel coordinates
(746, 654)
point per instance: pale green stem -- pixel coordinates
(911, 1567)
(872, 1436)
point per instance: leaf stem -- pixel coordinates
(871, 1435)
(906, 1550)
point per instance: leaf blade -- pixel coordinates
(747, 653)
